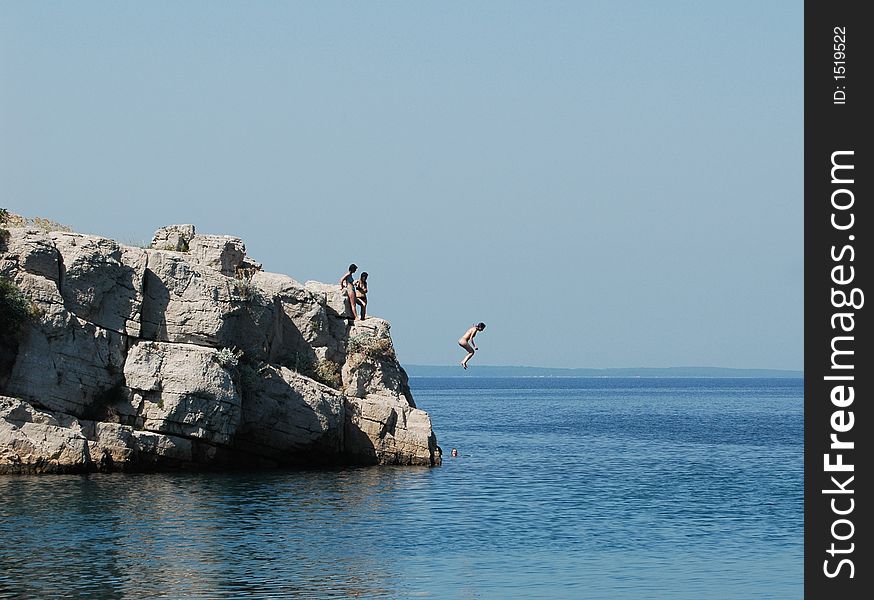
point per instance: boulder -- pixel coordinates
(101, 282)
(112, 446)
(93, 278)
(222, 253)
(155, 450)
(33, 263)
(183, 303)
(188, 303)
(290, 418)
(335, 300)
(115, 447)
(302, 319)
(33, 441)
(371, 366)
(173, 237)
(30, 251)
(66, 364)
(383, 430)
(183, 390)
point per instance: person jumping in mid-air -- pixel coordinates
(466, 342)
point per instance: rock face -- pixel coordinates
(188, 355)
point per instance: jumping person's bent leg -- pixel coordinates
(470, 352)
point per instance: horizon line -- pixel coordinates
(453, 365)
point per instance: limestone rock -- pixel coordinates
(101, 282)
(33, 263)
(188, 303)
(290, 418)
(181, 303)
(188, 355)
(335, 299)
(302, 319)
(222, 253)
(366, 376)
(173, 237)
(46, 298)
(383, 430)
(60, 360)
(67, 365)
(115, 447)
(36, 441)
(157, 450)
(30, 251)
(184, 390)
(94, 278)
(112, 446)
(371, 366)
(33, 441)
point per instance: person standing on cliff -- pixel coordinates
(466, 342)
(361, 293)
(347, 284)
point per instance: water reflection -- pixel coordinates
(613, 490)
(194, 535)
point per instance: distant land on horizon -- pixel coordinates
(508, 371)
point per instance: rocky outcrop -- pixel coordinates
(287, 414)
(34, 441)
(173, 237)
(387, 430)
(188, 355)
(180, 389)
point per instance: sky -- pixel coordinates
(604, 184)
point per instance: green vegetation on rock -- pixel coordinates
(15, 308)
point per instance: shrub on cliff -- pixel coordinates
(370, 346)
(228, 358)
(327, 372)
(15, 308)
(245, 289)
(323, 370)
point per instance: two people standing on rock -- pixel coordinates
(356, 291)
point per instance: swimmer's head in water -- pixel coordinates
(480, 326)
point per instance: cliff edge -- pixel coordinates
(187, 354)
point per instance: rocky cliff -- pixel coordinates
(187, 354)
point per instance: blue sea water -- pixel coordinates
(563, 488)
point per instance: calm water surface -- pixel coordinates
(564, 488)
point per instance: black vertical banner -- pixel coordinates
(838, 367)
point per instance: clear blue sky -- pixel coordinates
(605, 184)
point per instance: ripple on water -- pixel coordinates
(598, 489)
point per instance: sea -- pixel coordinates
(596, 488)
